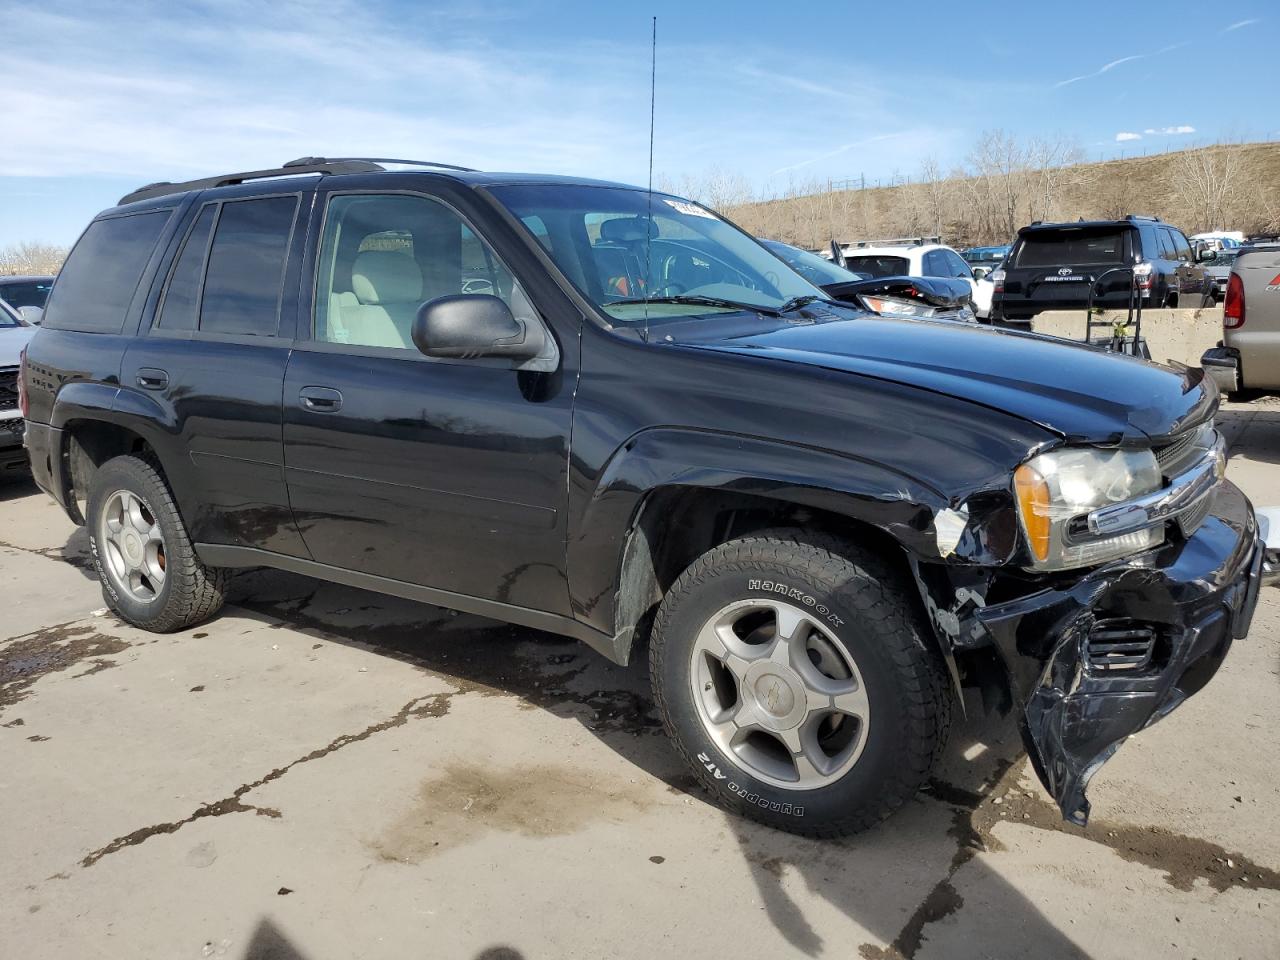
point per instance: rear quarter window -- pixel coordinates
(98, 281)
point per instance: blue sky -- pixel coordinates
(102, 97)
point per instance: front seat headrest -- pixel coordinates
(386, 276)
(628, 229)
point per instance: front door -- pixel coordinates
(446, 473)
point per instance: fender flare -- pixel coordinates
(94, 402)
(608, 556)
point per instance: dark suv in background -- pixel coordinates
(1053, 265)
(608, 413)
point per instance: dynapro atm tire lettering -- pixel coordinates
(764, 803)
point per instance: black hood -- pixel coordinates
(1081, 392)
(934, 291)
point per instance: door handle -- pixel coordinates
(320, 399)
(151, 378)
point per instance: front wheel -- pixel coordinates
(149, 570)
(794, 675)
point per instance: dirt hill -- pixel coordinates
(1226, 186)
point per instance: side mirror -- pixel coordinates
(1205, 253)
(33, 315)
(980, 273)
(467, 326)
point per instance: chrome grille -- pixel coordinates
(1190, 520)
(1179, 453)
(9, 388)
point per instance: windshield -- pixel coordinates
(25, 293)
(811, 266)
(879, 265)
(617, 255)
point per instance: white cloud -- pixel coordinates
(1124, 135)
(1107, 67)
(1169, 131)
(1241, 23)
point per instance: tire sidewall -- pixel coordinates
(831, 600)
(113, 476)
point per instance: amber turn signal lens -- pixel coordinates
(1033, 504)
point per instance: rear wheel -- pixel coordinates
(794, 676)
(149, 570)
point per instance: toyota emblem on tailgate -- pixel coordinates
(1064, 272)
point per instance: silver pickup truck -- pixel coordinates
(1249, 356)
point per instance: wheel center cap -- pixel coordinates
(778, 693)
(774, 695)
(132, 547)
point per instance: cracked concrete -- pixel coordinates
(419, 782)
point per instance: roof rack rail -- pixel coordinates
(891, 242)
(323, 167)
(1138, 216)
(311, 161)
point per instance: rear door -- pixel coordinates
(210, 364)
(444, 473)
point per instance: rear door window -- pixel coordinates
(98, 281)
(1074, 248)
(245, 272)
(1168, 247)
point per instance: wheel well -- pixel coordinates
(89, 444)
(676, 525)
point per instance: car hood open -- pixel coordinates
(1083, 393)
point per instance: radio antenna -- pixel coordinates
(648, 233)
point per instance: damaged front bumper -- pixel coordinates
(1096, 659)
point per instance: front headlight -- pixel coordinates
(1056, 491)
(897, 307)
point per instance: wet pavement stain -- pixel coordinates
(466, 801)
(434, 706)
(27, 658)
(1181, 859)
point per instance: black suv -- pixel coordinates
(1053, 265)
(594, 410)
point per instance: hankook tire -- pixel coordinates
(794, 674)
(149, 570)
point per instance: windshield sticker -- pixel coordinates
(692, 209)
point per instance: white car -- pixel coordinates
(917, 258)
(15, 332)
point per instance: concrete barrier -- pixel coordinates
(1181, 335)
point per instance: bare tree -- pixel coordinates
(1050, 165)
(1206, 182)
(31, 258)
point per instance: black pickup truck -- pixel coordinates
(609, 413)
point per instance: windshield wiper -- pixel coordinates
(795, 303)
(698, 300)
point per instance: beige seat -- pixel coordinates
(386, 293)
